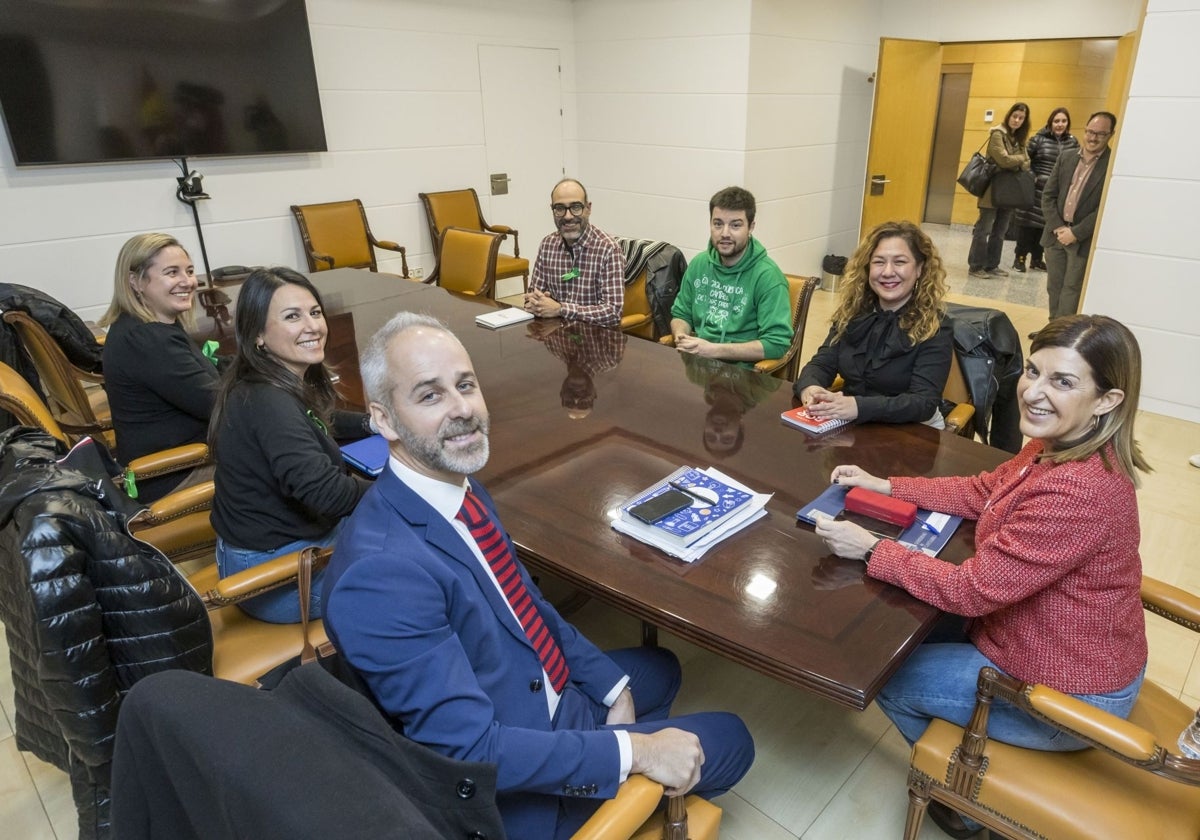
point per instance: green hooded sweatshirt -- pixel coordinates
(741, 302)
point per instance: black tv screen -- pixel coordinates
(136, 79)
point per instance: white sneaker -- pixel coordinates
(1194, 460)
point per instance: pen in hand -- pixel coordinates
(930, 528)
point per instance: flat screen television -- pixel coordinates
(109, 80)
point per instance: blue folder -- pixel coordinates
(369, 456)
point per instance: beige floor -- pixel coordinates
(822, 772)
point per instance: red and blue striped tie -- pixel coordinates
(495, 551)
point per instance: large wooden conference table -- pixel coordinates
(583, 417)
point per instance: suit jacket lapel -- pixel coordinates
(440, 534)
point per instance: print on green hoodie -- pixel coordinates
(741, 302)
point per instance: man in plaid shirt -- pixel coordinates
(579, 274)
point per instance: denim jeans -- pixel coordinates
(938, 681)
(987, 239)
(279, 606)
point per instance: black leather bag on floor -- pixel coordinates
(1013, 189)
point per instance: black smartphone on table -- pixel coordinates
(662, 505)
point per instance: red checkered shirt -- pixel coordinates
(598, 293)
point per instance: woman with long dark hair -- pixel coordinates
(1044, 148)
(281, 483)
(1006, 148)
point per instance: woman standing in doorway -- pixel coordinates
(1044, 149)
(1006, 149)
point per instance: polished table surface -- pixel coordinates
(771, 598)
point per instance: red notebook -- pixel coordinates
(801, 419)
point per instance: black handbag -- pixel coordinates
(977, 174)
(1013, 189)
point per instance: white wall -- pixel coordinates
(661, 88)
(808, 123)
(399, 84)
(1147, 259)
(1013, 20)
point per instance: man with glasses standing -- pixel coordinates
(579, 274)
(1070, 203)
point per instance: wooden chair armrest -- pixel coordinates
(959, 417)
(173, 505)
(771, 365)
(155, 464)
(88, 376)
(838, 383)
(321, 257)
(505, 230)
(628, 322)
(388, 245)
(668, 340)
(624, 814)
(255, 580)
(1078, 718)
(1171, 603)
(80, 429)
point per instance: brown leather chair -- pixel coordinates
(800, 292)
(959, 420)
(466, 262)
(460, 208)
(1128, 783)
(336, 235)
(176, 524)
(79, 411)
(636, 317)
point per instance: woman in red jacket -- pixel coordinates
(1052, 593)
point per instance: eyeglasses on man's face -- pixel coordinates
(1097, 135)
(576, 208)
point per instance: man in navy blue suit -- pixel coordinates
(426, 599)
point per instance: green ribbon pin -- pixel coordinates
(571, 275)
(209, 349)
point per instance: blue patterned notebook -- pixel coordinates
(713, 502)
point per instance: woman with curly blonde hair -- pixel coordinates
(890, 339)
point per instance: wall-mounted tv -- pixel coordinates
(86, 81)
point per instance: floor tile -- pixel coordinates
(22, 814)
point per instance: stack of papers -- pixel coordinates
(720, 508)
(503, 318)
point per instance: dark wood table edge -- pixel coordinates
(828, 689)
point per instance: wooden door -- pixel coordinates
(902, 125)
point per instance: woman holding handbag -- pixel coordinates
(1006, 148)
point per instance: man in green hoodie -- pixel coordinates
(733, 300)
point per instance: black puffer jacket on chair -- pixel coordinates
(88, 611)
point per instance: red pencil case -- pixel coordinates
(881, 507)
